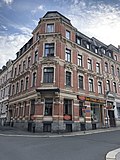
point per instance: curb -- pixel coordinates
(113, 155)
(81, 133)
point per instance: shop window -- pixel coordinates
(32, 111)
(48, 106)
(67, 107)
(81, 109)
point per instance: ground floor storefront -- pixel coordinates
(52, 110)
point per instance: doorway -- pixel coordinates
(112, 118)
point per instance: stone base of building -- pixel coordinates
(55, 127)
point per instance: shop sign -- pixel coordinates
(67, 117)
(83, 98)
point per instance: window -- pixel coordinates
(50, 28)
(81, 109)
(98, 67)
(36, 56)
(88, 46)
(32, 111)
(26, 83)
(19, 70)
(96, 50)
(80, 82)
(24, 65)
(106, 67)
(80, 60)
(112, 70)
(114, 87)
(68, 78)
(34, 79)
(68, 55)
(108, 85)
(49, 49)
(115, 57)
(17, 87)
(15, 72)
(99, 87)
(89, 64)
(118, 72)
(78, 40)
(29, 61)
(91, 85)
(22, 86)
(48, 106)
(67, 34)
(37, 36)
(48, 75)
(13, 90)
(67, 107)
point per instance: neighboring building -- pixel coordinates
(5, 78)
(61, 79)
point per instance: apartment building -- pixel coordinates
(5, 84)
(63, 80)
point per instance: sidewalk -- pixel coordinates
(12, 131)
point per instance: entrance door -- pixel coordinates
(112, 118)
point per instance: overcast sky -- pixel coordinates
(94, 18)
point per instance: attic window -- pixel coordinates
(88, 46)
(50, 27)
(115, 57)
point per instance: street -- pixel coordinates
(86, 147)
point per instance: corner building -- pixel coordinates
(58, 81)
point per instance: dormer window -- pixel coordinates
(96, 50)
(78, 40)
(50, 27)
(115, 57)
(88, 46)
(67, 34)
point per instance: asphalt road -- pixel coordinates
(87, 147)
